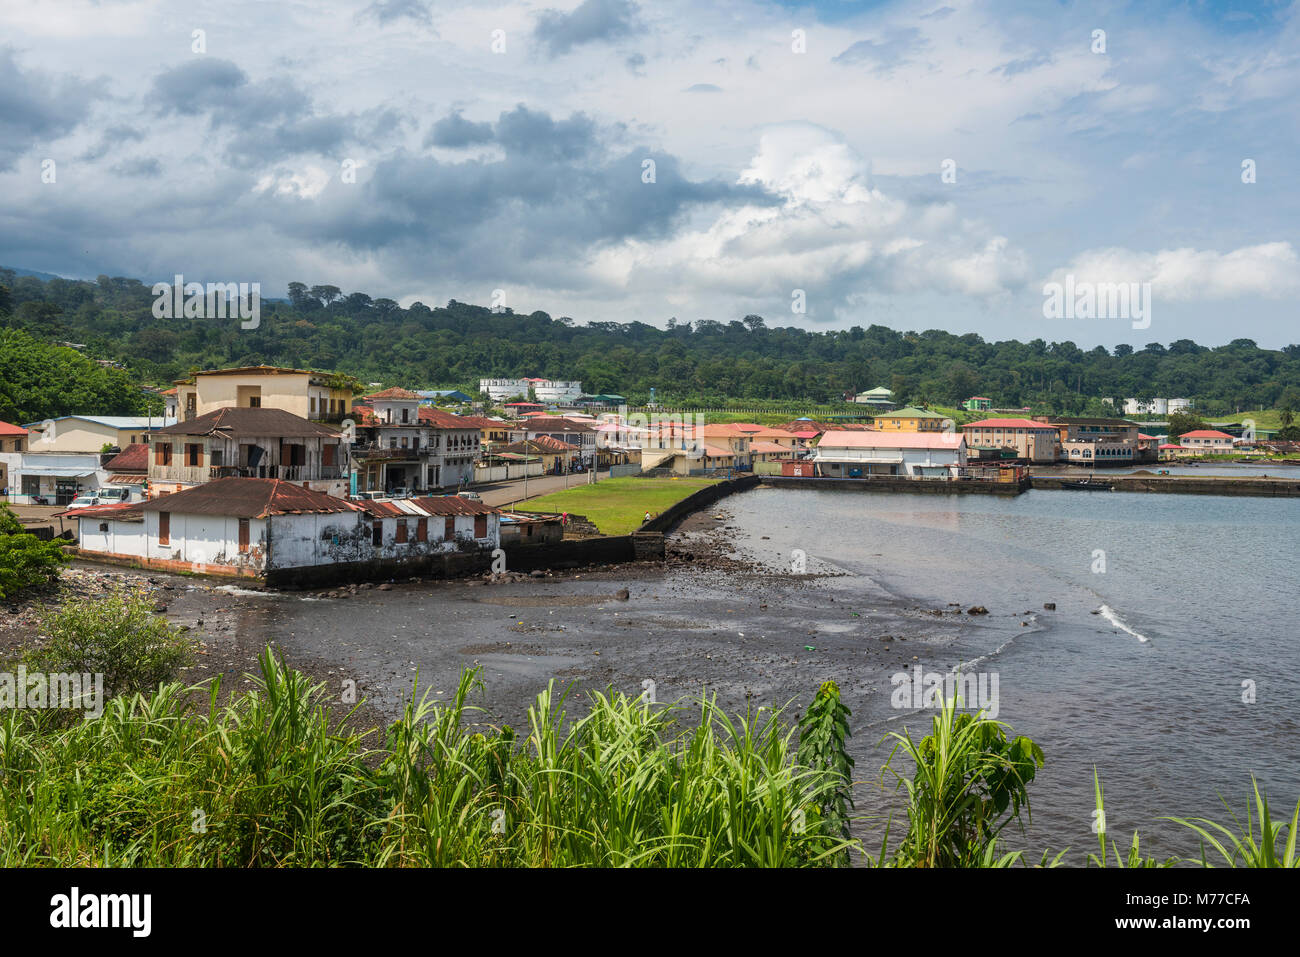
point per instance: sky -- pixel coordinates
(824, 165)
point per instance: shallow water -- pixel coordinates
(1193, 599)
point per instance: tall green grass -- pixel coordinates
(268, 780)
(274, 778)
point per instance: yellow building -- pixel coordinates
(318, 396)
(90, 433)
(910, 419)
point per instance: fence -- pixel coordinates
(504, 473)
(621, 471)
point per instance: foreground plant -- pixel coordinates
(1242, 848)
(271, 780)
(970, 782)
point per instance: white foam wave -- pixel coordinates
(1110, 615)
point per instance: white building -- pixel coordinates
(1156, 406)
(856, 454)
(250, 526)
(547, 391)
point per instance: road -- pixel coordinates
(505, 493)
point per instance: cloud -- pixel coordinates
(703, 88)
(591, 21)
(38, 108)
(885, 55)
(456, 132)
(112, 137)
(142, 167)
(387, 11)
(222, 90)
(1268, 270)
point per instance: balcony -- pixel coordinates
(289, 473)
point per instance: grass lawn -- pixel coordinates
(617, 506)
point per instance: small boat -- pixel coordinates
(1090, 485)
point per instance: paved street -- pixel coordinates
(506, 493)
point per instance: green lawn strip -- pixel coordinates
(617, 506)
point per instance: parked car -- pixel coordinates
(369, 496)
(84, 500)
(472, 496)
(400, 492)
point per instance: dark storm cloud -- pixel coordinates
(456, 132)
(37, 108)
(556, 194)
(271, 119)
(594, 20)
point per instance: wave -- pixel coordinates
(1110, 615)
(236, 590)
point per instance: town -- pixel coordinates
(287, 475)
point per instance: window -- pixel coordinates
(327, 455)
(193, 454)
(480, 526)
(401, 531)
(254, 401)
(405, 414)
(243, 535)
(377, 533)
(162, 454)
(422, 530)
(450, 530)
(164, 528)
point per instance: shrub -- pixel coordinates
(25, 561)
(118, 636)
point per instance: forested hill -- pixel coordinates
(708, 360)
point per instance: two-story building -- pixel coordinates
(909, 419)
(404, 444)
(1207, 441)
(1093, 441)
(248, 443)
(1033, 441)
(318, 396)
(64, 456)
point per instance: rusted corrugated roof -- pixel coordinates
(133, 458)
(253, 423)
(248, 498)
(432, 505)
(119, 511)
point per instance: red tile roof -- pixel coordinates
(248, 498)
(1205, 434)
(7, 429)
(439, 419)
(394, 393)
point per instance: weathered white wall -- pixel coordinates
(122, 538)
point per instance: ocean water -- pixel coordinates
(1169, 663)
